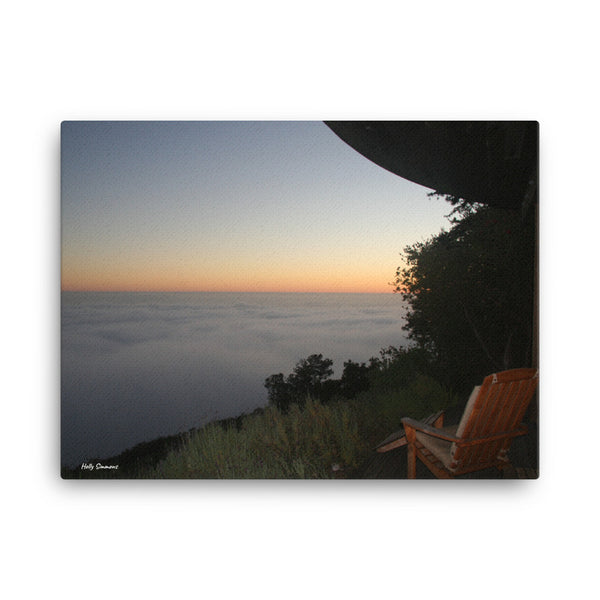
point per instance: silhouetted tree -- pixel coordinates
(309, 373)
(309, 378)
(470, 292)
(355, 378)
(279, 391)
(396, 368)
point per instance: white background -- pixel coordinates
(310, 60)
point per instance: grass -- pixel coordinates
(304, 443)
(315, 441)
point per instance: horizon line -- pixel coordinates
(162, 291)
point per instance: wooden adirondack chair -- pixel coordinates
(492, 418)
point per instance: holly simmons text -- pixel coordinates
(98, 466)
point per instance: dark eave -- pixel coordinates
(492, 162)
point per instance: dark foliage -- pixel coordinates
(309, 378)
(356, 378)
(470, 292)
(396, 368)
(393, 369)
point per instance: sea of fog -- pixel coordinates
(137, 366)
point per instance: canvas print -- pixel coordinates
(299, 300)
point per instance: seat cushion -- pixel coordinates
(465, 416)
(437, 446)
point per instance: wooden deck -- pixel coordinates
(520, 473)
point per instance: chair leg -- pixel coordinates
(412, 462)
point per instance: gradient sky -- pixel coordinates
(232, 206)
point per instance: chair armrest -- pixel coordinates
(398, 438)
(428, 429)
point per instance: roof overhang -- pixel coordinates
(491, 162)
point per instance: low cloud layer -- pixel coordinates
(138, 366)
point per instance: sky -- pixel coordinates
(270, 206)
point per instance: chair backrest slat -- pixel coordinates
(499, 407)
